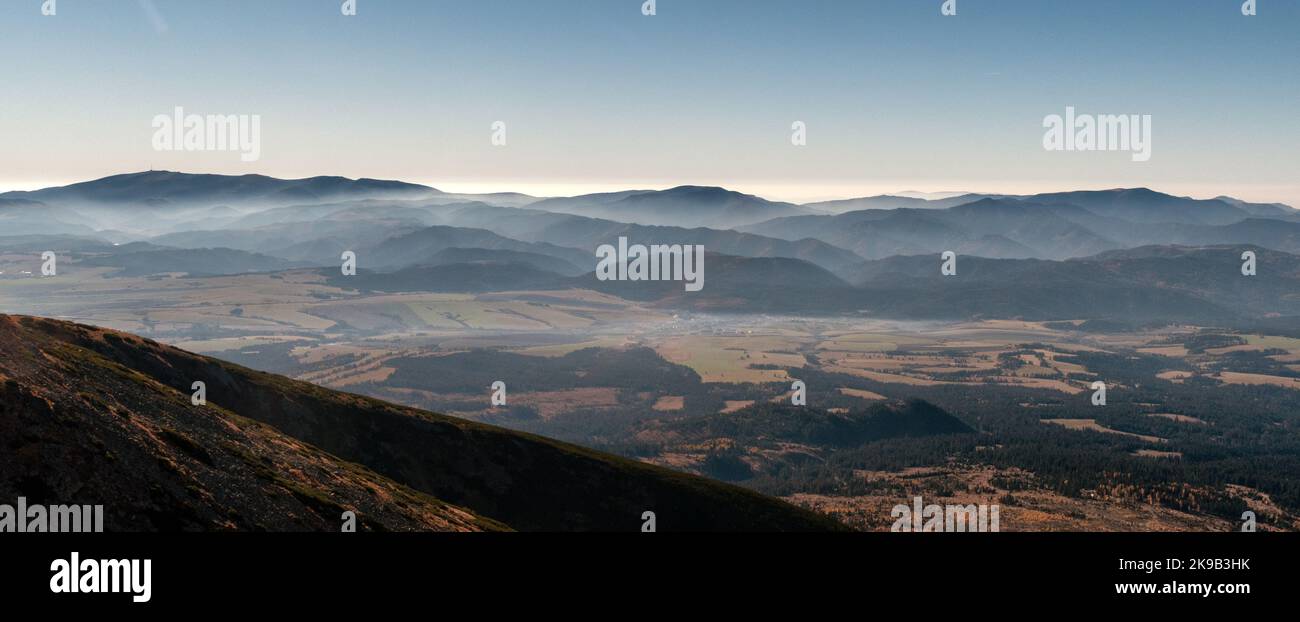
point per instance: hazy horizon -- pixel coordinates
(597, 96)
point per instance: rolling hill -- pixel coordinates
(589, 233)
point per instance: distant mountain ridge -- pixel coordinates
(315, 219)
(155, 188)
(683, 206)
(1100, 199)
(1048, 226)
(159, 201)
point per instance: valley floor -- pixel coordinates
(614, 374)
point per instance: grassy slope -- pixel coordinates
(77, 427)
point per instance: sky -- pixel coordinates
(596, 96)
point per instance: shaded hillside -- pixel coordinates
(79, 427)
(523, 481)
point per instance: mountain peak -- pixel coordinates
(704, 192)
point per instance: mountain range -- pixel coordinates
(1133, 253)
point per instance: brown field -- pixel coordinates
(551, 404)
(1064, 367)
(369, 370)
(866, 395)
(1178, 418)
(1041, 369)
(1170, 351)
(670, 403)
(558, 350)
(1091, 424)
(729, 359)
(1176, 377)
(205, 346)
(1043, 383)
(1231, 349)
(1230, 377)
(886, 378)
(1152, 453)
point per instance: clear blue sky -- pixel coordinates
(596, 95)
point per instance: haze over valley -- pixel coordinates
(969, 385)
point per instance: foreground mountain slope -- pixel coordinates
(78, 427)
(523, 481)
